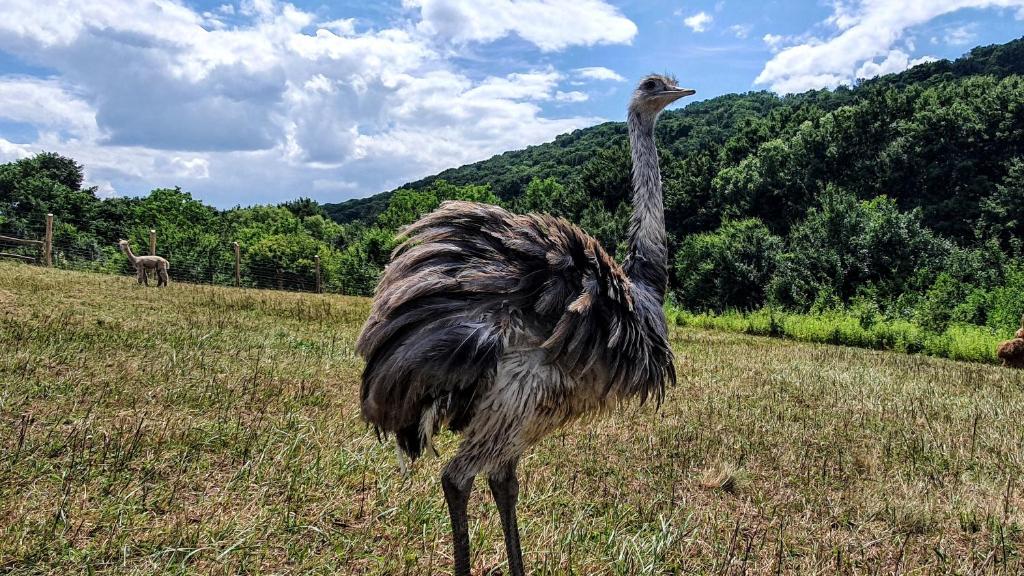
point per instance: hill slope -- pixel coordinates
(221, 435)
(699, 126)
(902, 196)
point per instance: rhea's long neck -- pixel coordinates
(648, 254)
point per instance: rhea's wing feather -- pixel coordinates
(608, 319)
(464, 276)
(440, 312)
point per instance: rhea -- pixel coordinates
(504, 327)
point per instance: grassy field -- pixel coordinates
(213, 430)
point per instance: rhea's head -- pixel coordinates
(655, 92)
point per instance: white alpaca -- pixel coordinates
(143, 264)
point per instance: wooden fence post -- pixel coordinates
(48, 242)
(152, 242)
(238, 265)
(319, 289)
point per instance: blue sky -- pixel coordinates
(254, 101)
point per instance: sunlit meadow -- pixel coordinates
(201, 429)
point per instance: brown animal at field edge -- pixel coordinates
(1011, 352)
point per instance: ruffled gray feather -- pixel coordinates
(470, 279)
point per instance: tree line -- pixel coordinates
(278, 243)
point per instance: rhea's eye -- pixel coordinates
(649, 85)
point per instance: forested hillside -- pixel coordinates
(722, 131)
(900, 198)
(904, 193)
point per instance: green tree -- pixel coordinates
(845, 247)
(548, 196)
(408, 205)
(728, 268)
(1002, 212)
(283, 260)
(32, 187)
(303, 207)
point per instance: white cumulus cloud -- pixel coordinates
(548, 24)
(699, 22)
(865, 30)
(599, 73)
(10, 151)
(334, 185)
(741, 30)
(773, 41)
(895, 61)
(571, 96)
(273, 102)
(961, 35)
(193, 168)
(46, 104)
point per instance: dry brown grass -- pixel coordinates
(224, 437)
(723, 476)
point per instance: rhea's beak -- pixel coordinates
(677, 93)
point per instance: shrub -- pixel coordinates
(1007, 301)
(963, 342)
(846, 247)
(727, 268)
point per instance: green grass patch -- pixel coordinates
(958, 342)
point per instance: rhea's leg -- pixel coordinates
(505, 489)
(456, 493)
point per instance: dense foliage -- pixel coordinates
(901, 198)
(906, 191)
